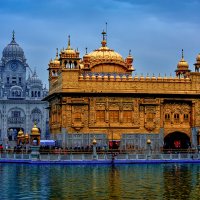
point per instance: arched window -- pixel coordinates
(75, 64)
(186, 117)
(167, 116)
(176, 117)
(70, 64)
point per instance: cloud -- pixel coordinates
(155, 30)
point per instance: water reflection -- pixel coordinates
(63, 182)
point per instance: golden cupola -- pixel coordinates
(69, 52)
(182, 68)
(104, 59)
(20, 137)
(20, 134)
(129, 61)
(54, 66)
(69, 57)
(35, 130)
(56, 61)
(182, 64)
(86, 61)
(197, 64)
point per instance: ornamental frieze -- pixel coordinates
(150, 118)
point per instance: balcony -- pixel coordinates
(16, 120)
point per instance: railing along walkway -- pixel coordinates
(100, 156)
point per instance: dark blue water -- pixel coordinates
(169, 181)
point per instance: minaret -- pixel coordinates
(129, 61)
(54, 66)
(69, 57)
(182, 68)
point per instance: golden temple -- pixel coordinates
(97, 95)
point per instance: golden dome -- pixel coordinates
(26, 135)
(182, 64)
(35, 130)
(20, 133)
(105, 55)
(56, 60)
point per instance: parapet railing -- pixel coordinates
(101, 156)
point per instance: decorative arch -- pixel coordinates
(16, 91)
(177, 140)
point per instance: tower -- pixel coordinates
(182, 68)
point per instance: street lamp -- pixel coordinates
(148, 148)
(94, 142)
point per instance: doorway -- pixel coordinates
(177, 140)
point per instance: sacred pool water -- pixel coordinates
(64, 182)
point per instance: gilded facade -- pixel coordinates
(98, 95)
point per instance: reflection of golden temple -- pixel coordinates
(98, 95)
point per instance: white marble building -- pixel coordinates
(21, 92)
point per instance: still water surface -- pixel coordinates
(63, 182)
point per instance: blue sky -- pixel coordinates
(154, 30)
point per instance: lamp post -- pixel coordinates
(94, 142)
(148, 148)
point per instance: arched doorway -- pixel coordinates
(177, 140)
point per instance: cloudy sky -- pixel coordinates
(154, 30)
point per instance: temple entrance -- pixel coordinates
(114, 144)
(177, 140)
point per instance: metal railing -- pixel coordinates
(76, 156)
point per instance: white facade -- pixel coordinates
(20, 97)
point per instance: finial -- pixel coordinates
(68, 41)
(104, 40)
(86, 50)
(182, 54)
(106, 32)
(103, 33)
(129, 53)
(13, 35)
